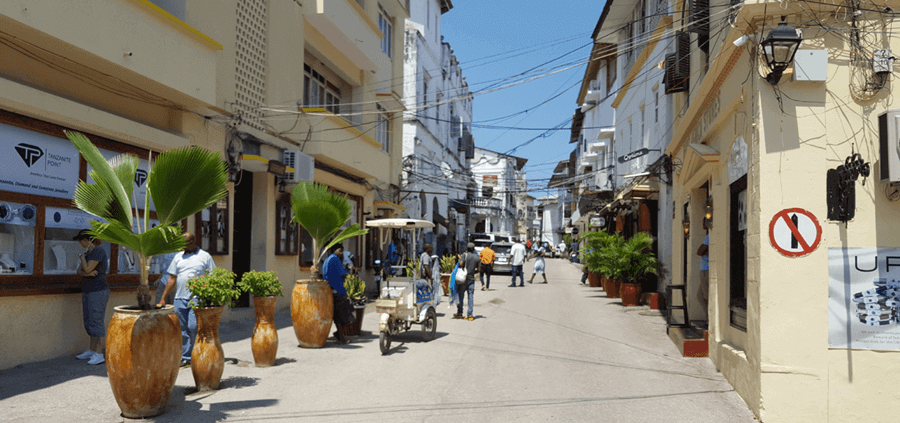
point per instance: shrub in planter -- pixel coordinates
(265, 288)
(447, 265)
(356, 289)
(211, 291)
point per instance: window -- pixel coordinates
(487, 191)
(386, 28)
(212, 228)
(738, 255)
(319, 92)
(383, 129)
(287, 232)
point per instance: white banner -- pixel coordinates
(864, 298)
(35, 163)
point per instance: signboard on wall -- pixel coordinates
(38, 164)
(864, 298)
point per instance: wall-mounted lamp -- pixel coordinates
(686, 224)
(779, 48)
(281, 184)
(707, 217)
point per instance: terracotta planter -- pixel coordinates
(445, 283)
(631, 294)
(312, 309)
(208, 358)
(611, 286)
(143, 351)
(355, 328)
(594, 279)
(264, 342)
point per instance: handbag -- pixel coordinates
(461, 273)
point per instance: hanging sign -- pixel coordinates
(598, 222)
(633, 155)
(794, 232)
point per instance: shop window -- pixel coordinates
(738, 255)
(128, 258)
(60, 251)
(288, 232)
(17, 223)
(212, 228)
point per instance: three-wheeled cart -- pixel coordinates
(407, 300)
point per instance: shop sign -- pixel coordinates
(864, 298)
(794, 232)
(598, 222)
(37, 164)
(633, 155)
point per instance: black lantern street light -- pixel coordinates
(686, 225)
(779, 48)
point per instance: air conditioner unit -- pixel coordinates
(889, 142)
(303, 164)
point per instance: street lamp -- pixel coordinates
(708, 215)
(779, 48)
(686, 224)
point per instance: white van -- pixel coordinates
(482, 240)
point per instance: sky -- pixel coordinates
(496, 41)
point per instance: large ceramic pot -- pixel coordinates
(611, 286)
(208, 358)
(631, 293)
(312, 309)
(355, 328)
(445, 283)
(264, 343)
(143, 350)
(594, 279)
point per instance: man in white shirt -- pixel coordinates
(517, 260)
(185, 265)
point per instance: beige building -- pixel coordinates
(801, 311)
(315, 84)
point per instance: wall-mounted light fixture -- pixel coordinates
(779, 48)
(708, 215)
(686, 225)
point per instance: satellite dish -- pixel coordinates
(448, 172)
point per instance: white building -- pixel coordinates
(498, 178)
(437, 141)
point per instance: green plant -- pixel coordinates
(447, 264)
(321, 213)
(261, 284)
(567, 238)
(213, 289)
(181, 182)
(355, 287)
(412, 264)
(636, 257)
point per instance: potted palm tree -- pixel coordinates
(265, 289)
(609, 264)
(356, 289)
(594, 243)
(143, 343)
(637, 259)
(321, 213)
(211, 291)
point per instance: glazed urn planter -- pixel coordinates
(312, 309)
(143, 351)
(594, 279)
(208, 358)
(264, 343)
(445, 283)
(355, 328)
(631, 293)
(611, 286)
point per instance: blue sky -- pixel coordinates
(499, 39)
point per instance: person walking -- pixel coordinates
(334, 272)
(517, 261)
(94, 294)
(188, 263)
(487, 257)
(539, 264)
(470, 262)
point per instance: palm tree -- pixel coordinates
(321, 214)
(181, 182)
(636, 257)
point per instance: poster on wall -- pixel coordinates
(38, 164)
(864, 298)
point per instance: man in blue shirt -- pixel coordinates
(334, 272)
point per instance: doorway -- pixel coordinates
(243, 221)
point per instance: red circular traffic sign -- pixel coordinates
(794, 232)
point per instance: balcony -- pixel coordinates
(486, 206)
(338, 143)
(341, 33)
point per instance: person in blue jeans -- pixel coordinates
(471, 261)
(517, 260)
(187, 264)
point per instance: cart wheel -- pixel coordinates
(429, 325)
(384, 342)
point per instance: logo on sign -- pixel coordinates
(29, 153)
(57, 217)
(140, 177)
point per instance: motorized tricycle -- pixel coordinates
(403, 300)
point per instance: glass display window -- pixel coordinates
(60, 250)
(128, 258)
(17, 222)
(212, 228)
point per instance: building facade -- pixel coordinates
(497, 178)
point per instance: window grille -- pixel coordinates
(251, 61)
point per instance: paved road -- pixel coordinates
(555, 352)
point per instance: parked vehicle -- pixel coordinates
(501, 251)
(482, 240)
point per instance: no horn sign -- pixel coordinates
(795, 232)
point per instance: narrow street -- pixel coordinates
(560, 351)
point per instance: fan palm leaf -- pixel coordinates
(108, 199)
(321, 213)
(185, 181)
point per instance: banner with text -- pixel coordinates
(38, 164)
(864, 298)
